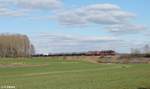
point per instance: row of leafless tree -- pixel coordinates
(15, 45)
(143, 50)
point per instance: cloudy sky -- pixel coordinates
(78, 25)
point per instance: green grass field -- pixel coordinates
(51, 73)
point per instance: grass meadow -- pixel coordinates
(56, 73)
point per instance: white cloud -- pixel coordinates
(104, 7)
(105, 14)
(32, 4)
(67, 43)
(129, 28)
(10, 12)
(110, 16)
(76, 39)
(57, 43)
(27, 7)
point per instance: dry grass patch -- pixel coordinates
(21, 65)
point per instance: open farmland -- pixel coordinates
(55, 73)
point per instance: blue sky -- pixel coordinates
(78, 25)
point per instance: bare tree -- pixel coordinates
(135, 51)
(15, 45)
(32, 50)
(146, 49)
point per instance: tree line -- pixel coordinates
(15, 45)
(143, 50)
